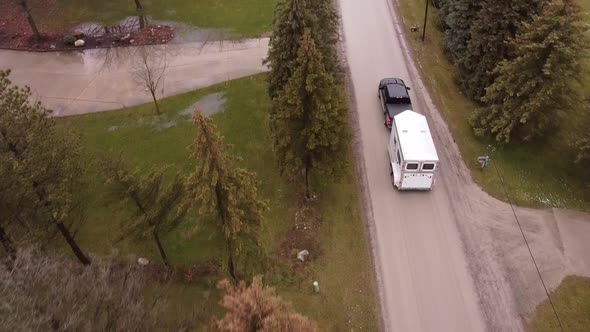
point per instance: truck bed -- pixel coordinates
(395, 109)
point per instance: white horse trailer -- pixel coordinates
(412, 155)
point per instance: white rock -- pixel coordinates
(79, 43)
(127, 36)
(302, 254)
(52, 46)
(143, 261)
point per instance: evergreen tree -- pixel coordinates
(258, 308)
(495, 23)
(225, 189)
(291, 19)
(458, 17)
(326, 32)
(312, 118)
(40, 168)
(157, 208)
(533, 86)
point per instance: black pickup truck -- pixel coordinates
(395, 99)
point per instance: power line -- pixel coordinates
(528, 247)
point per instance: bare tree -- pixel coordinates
(45, 293)
(27, 12)
(149, 69)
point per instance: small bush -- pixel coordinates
(69, 40)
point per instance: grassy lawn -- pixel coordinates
(247, 18)
(537, 174)
(572, 303)
(346, 301)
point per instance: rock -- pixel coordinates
(79, 43)
(316, 286)
(127, 36)
(302, 254)
(52, 47)
(143, 261)
(131, 41)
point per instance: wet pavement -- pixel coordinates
(96, 80)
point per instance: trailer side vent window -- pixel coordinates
(412, 166)
(427, 166)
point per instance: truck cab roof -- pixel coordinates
(396, 91)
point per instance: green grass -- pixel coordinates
(572, 303)
(248, 18)
(344, 271)
(538, 174)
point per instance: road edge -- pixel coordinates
(361, 179)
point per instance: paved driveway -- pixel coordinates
(101, 79)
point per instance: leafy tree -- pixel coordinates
(458, 16)
(40, 167)
(311, 124)
(495, 23)
(24, 4)
(225, 189)
(51, 293)
(258, 308)
(533, 86)
(157, 207)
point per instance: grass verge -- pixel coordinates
(248, 18)
(346, 300)
(537, 174)
(572, 303)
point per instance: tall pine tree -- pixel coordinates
(495, 23)
(458, 17)
(156, 206)
(220, 187)
(40, 169)
(533, 86)
(326, 32)
(312, 118)
(291, 19)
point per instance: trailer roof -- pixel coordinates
(414, 135)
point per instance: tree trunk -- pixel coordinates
(160, 248)
(141, 21)
(307, 173)
(27, 10)
(7, 244)
(77, 251)
(138, 5)
(231, 267)
(155, 101)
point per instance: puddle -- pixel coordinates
(184, 33)
(208, 105)
(165, 125)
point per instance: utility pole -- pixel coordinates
(425, 17)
